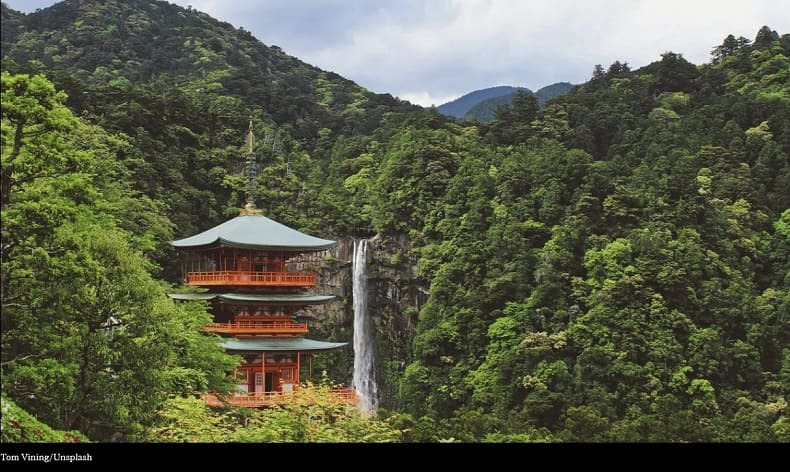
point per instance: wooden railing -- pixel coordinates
(237, 277)
(257, 327)
(345, 395)
(261, 399)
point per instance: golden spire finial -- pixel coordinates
(251, 171)
(250, 138)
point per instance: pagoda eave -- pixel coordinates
(294, 299)
(219, 243)
(303, 345)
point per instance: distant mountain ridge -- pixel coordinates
(481, 105)
(486, 110)
(461, 105)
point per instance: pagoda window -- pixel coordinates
(280, 359)
(287, 373)
(255, 360)
(243, 265)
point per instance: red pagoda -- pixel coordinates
(255, 271)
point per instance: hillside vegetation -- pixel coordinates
(19, 426)
(612, 267)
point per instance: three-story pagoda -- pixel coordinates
(255, 271)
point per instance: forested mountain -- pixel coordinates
(617, 268)
(461, 105)
(612, 267)
(181, 85)
(485, 111)
(544, 94)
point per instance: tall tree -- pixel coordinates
(89, 337)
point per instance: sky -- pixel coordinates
(432, 51)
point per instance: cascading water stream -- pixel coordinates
(364, 375)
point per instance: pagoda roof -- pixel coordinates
(278, 344)
(254, 232)
(274, 299)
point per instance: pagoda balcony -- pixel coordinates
(339, 396)
(258, 327)
(259, 279)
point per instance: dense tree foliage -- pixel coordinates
(611, 267)
(628, 281)
(20, 426)
(90, 340)
(312, 415)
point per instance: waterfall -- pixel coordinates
(364, 376)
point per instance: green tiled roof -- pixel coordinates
(274, 299)
(254, 232)
(278, 344)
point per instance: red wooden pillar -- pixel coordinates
(263, 372)
(298, 365)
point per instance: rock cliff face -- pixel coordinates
(395, 297)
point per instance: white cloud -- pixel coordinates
(426, 99)
(481, 43)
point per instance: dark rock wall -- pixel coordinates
(395, 298)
